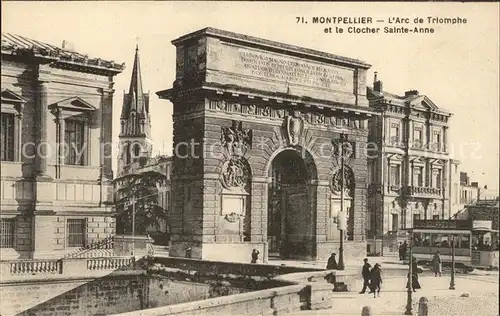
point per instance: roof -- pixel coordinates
(414, 100)
(283, 48)
(17, 45)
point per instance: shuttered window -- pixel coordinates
(76, 229)
(7, 233)
(74, 142)
(7, 137)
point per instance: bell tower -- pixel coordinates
(135, 122)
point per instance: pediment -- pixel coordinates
(418, 160)
(74, 104)
(9, 96)
(395, 157)
(437, 162)
(422, 102)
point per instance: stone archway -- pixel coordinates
(291, 206)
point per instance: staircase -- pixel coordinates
(97, 249)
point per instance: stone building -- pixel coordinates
(135, 142)
(411, 173)
(56, 139)
(257, 130)
(469, 191)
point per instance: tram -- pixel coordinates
(476, 243)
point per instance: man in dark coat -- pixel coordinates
(332, 263)
(365, 273)
(255, 256)
(375, 280)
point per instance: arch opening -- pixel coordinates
(291, 207)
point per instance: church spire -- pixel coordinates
(135, 110)
(135, 129)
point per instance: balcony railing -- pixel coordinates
(423, 191)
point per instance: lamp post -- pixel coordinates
(452, 281)
(342, 216)
(410, 280)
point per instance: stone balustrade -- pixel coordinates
(35, 267)
(108, 263)
(61, 268)
(423, 191)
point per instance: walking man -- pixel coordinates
(365, 273)
(437, 264)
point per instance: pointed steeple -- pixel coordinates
(135, 133)
(135, 110)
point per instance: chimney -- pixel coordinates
(411, 93)
(67, 46)
(377, 84)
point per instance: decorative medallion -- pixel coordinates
(235, 173)
(236, 140)
(232, 217)
(336, 183)
(294, 127)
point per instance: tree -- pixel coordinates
(141, 189)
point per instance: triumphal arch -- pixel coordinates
(256, 149)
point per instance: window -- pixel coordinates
(394, 133)
(74, 142)
(76, 229)
(418, 177)
(7, 137)
(167, 200)
(7, 233)
(416, 217)
(435, 217)
(394, 174)
(437, 178)
(437, 141)
(417, 137)
(395, 222)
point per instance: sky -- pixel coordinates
(457, 66)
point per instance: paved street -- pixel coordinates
(483, 300)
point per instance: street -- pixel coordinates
(482, 300)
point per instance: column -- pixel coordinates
(60, 144)
(18, 127)
(445, 138)
(106, 133)
(41, 118)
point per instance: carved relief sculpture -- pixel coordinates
(235, 174)
(294, 127)
(236, 140)
(336, 183)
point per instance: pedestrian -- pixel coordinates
(415, 270)
(405, 249)
(332, 263)
(437, 264)
(375, 280)
(255, 256)
(365, 273)
(400, 249)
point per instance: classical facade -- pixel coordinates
(411, 173)
(56, 169)
(257, 126)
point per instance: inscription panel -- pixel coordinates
(268, 71)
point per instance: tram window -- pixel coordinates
(445, 242)
(436, 240)
(417, 239)
(456, 238)
(426, 239)
(465, 241)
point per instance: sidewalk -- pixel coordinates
(392, 300)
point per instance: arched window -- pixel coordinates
(128, 158)
(137, 150)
